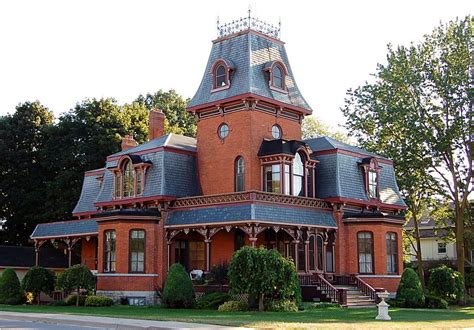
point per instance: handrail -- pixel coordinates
(335, 294)
(365, 288)
(307, 279)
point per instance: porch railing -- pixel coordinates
(365, 288)
(335, 294)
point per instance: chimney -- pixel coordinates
(156, 124)
(128, 142)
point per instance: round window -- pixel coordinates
(276, 132)
(223, 131)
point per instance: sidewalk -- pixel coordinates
(105, 322)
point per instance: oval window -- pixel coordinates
(276, 132)
(223, 131)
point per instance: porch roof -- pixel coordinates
(65, 229)
(304, 216)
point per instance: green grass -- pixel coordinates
(314, 318)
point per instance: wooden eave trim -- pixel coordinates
(133, 200)
(247, 222)
(95, 172)
(123, 217)
(43, 238)
(215, 104)
(355, 220)
(368, 203)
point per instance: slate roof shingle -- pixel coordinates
(65, 228)
(250, 53)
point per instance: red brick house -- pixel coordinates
(248, 178)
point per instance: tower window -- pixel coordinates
(276, 132)
(239, 174)
(298, 176)
(277, 77)
(223, 131)
(221, 79)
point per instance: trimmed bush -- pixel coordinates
(435, 302)
(71, 300)
(446, 283)
(77, 277)
(281, 306)
(37, 280)
(98, 301)
(410, 289)
(10, 288)
(58, 303)
(212, 300)
(178, 291)
(265, 275)
(219, 273)
(233, 306)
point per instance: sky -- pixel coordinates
(61, 52)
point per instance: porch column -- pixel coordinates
(325, 243)
(306, 254)
(37, 247)
(295, 248)
(208, 254)
(169, 255)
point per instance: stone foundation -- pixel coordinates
(150, 297)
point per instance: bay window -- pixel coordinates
(365, 245)
(391, 241)
(137, 251)
(109, 251)
(272, 178)
(298, 176)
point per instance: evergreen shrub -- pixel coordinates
(38, 279)
(212, 300)
(233, 306)
(435, 302)
(71, 300)
(178, 291)
(98, 301)
(10, 288)
(281, 306)
(410, 289)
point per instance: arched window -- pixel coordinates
(392, 256)
(137, 251)
(109, 251)
(128, 179)
(365, 246)
(278, 77)
(319, 248)
(239, 174)
(298, 175)
(221, 76)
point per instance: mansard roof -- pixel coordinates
(339, 174)
(171, 140)
(262, 213)
(90, 189)
(250, 52)
(280, 146)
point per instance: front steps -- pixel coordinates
(355, 298)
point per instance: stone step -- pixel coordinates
(361, 305)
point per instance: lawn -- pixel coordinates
(314, 318)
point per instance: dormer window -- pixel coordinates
(129, 177)
(221, 75)
(277, 78)
(371, 171)
(277, 75)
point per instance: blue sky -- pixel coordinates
(60, 52)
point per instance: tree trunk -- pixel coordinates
(77, 297)
(260, 303)
(419, 258)
(38, 294)
(460, 244)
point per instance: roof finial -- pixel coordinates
(218, 25)
(250, 11)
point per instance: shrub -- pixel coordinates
(76, 278)
(469, 279)
(72, 300)
(233, 306)
(212, 300)
(281, 306)
(446, 283)
(10, 288)
(310, 306)
(37, 280)
(263, 274)
(410, 289)
(178, 291)
(398, 302)
(98, 301)
(15, 300)
(58, 303)
(219, 273)
(435, 302)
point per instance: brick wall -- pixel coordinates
(247, 130)
(153, 260)
(89, 253)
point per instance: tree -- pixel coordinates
(313, 127)
(418, 111)
(178, 120)
(10, 288)
(37, 280)
(446, 283)
(264, 274)
(410, 290)
(178, 291)
(22, 174)
(77, 277)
